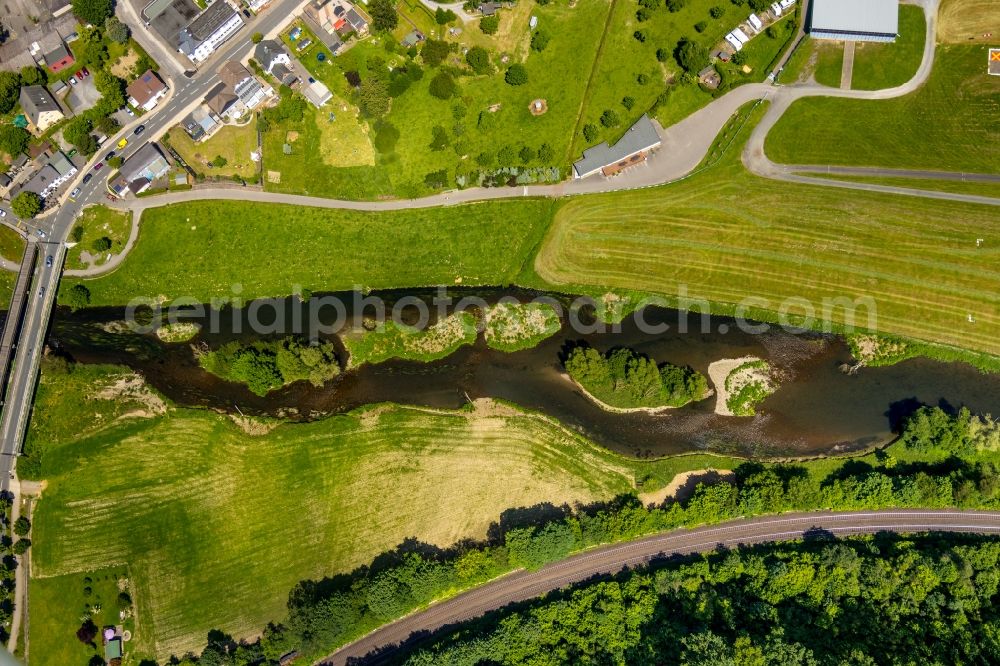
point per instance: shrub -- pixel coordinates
(102, 244)
(546, 154)
(489, 24)
(540, 40)
(436, 179)
(435, 51)
(700, 26)
(443, 86)
(479, 60)
(628, 102)
(640, 36)
(13, 140)
(78, 297)
(590, 132)
(516, 75)
(610, 118)
(22, 526)
(676, 5)
(439, 138)
(257, 37)
(716, 12)
(219, 161)
(527, 154)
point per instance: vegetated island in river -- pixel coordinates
(625, 381)
(507, 327)
(741, 384)
(267, 365)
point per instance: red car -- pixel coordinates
(98, 166)
(79, 74)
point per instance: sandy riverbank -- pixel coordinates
(685, 483)
(719, 372)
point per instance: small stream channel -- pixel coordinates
(817, 410)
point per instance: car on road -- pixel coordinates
(122, 143)
(48, 261)
(41, 292)
(139, 130)
(109, 155)
(86, 179)
(98, 166)
(74, 194)
(3, 213)
(72, 80)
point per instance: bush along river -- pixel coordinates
(811, 405)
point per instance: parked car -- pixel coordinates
(86, 72)
(130, 112)
(72, 80)
(109, 155)
(79, 75)
(86, 179)
(75, 193)
(48, 261)
(139, 130)
(3, 213)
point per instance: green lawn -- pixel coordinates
(98, 222)
(232, 143)
(217, 525)
(11, 244)
(946, 125)
(879, 66)
(190, 250)
(726, 235)
(58, 603)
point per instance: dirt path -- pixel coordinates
(684, 484)
(847, 72)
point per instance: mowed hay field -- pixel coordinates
(217, 525)
(962, 20)
(204, 249)
(949, 124)
(726, 235)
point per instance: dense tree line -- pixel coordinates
(328, 613)
(622, 378)
(267, 365)
(868, 600)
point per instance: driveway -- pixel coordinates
(82, 96)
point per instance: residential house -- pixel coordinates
(169, 17)
(269, 53)
(41, 109)
(146, 91)
(141, 169)
(334, 18)
(488, 8)
(51, 50)
(209, 30)
(412, 38)
(256, 5)
(285, 75)
(27, 48)
(56, 171)
(201, 123)
(237, 92)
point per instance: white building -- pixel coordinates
(209, 30)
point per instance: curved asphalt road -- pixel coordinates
(524, 585)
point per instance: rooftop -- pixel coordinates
(876, 17)
(146, 87)
(639, 137)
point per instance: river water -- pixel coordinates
(817, 410)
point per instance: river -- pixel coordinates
(817, 410)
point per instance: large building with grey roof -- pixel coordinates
(209, 30)
(855, 20)
(633, 148)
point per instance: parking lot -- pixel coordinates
(82, 96)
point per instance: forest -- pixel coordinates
(871, 600)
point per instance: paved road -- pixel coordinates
(525, 585)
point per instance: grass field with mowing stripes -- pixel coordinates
(216, 525)
(949, 124)
(726, 235)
